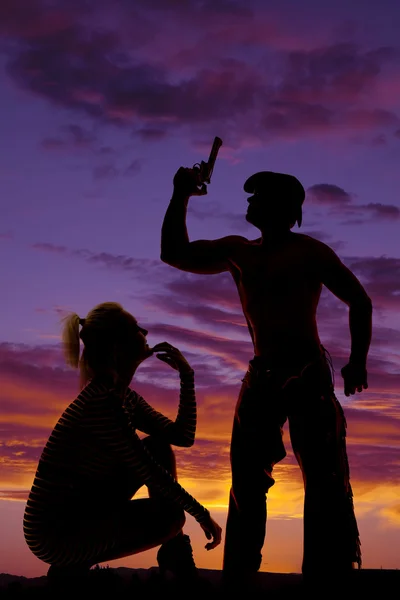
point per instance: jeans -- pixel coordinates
(317, 426)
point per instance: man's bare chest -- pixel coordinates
(257, 268)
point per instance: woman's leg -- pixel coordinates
(122, 529)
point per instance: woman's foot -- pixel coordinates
(62, 577)
(176, 556)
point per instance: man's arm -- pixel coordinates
(345, 286)
(201, 256)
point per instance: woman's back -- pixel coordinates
(76, 463)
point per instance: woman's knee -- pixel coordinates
(173, 519)
(179, 520)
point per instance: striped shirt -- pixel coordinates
(94, 451)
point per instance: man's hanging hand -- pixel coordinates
(355, 378)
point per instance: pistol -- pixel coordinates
(204, 170)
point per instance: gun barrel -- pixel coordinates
(213, 155)
(214, 150)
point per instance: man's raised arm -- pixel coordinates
(201, 256)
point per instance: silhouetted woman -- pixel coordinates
(81, 509)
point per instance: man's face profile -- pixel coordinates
(267, 209)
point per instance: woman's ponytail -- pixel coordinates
(101, 328)
(70, 339)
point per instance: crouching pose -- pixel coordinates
(81, 508)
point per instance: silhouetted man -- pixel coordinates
(279, 278)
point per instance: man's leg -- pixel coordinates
(256, 445)
(317, 430)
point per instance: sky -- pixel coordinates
(101, 103)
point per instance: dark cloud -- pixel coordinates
(341, 203)
(206, 458)
(106, 150)
(219, 362)
(79, 136)
(125, 263)
(108, 171)
(207, 298)
(134, 168)
(287, 119)
(375, 463)
(212, 303)
(53, 248)
(31, 366)
(211, 210)
(213, 317)
(218, 290)
(382, 211)
(381, 276)
(75, 137)
(215, 306)
(29, 19)
(236, 354)
(43, 356)
(323, 90)
(17, 451)
(151, 134)
(52, 143)
(93, 67)
(328, 193)
(137, 266)
(379, 140)
(340, 71)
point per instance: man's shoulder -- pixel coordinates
(316, 252)
(230, 243)
(311, 242)
(305, 238)
(233, 239)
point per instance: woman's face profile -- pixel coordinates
(137, 341)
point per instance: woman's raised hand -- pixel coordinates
(172, 356)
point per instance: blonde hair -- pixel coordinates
(103, 328)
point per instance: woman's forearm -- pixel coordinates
(186, 420)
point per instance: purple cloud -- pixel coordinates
(104, 73)
(373, 436)
(328, 193)
(134, 168)
(107, 171)
(218, 293)
(75, 137)
(112, 261)
(340, 202)
(151, 134)
(381, 276)
(382, 211)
